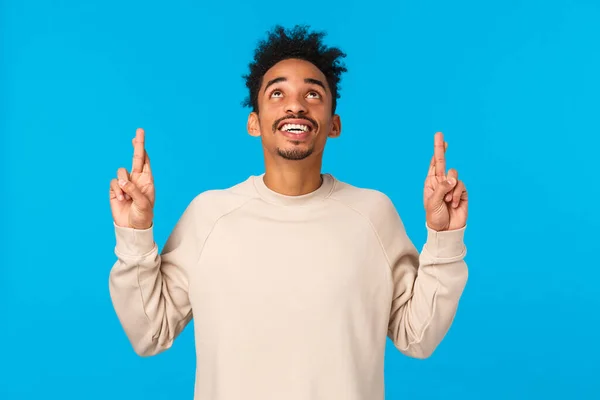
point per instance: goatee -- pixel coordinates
(294, 154)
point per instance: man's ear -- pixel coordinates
(253, 125)
(336, 128)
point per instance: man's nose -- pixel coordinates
(296, 105)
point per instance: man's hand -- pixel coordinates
(132, 196)
(444, 196)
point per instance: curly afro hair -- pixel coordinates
(298, 43)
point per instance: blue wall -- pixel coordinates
(513, 85)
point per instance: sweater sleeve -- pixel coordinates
(148, 289)
(426, 286)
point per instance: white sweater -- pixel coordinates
(292, 296)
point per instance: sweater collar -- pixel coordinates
(273, 197)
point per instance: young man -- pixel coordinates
(294, 279)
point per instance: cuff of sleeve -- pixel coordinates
(445, 244)
(134, 242)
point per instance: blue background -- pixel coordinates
(513, 85)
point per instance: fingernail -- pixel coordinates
(122, 182)
(451, 181)
(121, 197)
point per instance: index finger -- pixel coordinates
(138, 151)
(438, 153)
(431, 171)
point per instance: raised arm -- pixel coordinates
(149, 291)
(427, 286)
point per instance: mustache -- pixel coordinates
(277, 122)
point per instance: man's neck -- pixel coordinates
(293, 178)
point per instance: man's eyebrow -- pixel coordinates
(273, 81)
(316, 82)
(284, 79)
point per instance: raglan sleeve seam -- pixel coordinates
(379, 241)
(418, 338)
(217, 220)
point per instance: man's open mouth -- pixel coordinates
(296, 126)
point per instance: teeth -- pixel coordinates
(295, 127)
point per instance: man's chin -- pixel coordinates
(294, 153)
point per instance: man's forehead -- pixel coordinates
(296, 71)
(294, 68)
(309, 81)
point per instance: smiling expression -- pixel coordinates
(294, 116)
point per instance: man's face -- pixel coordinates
(294, 111)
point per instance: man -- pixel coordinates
(294, 279)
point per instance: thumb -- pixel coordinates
(443, 188)
(136, 194)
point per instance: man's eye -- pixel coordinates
(276, 93)
(314, 94)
